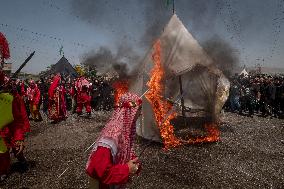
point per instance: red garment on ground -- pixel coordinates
(102, 168)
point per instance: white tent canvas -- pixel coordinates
(244, 73)
(201, 82)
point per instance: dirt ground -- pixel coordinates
(249, 155)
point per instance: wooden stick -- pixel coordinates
(68, 165)
(144, 93)
(23, 65)
(89, 147)
(63, 172)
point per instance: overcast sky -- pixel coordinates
(253, 27)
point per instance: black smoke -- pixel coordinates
(223, 55)
(105, 60)
(139, 23)
(123, 17)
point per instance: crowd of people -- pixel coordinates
(257, 94)
(56, 96)
(112, 160)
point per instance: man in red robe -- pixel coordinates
(33, 94)
(112, 160)
(57, 103)
(13, 134)
(83, 97)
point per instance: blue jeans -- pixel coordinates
(235, 103)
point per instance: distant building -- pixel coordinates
(63, 67)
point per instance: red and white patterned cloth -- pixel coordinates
(33, 93)
(118, 134)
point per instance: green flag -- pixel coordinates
(169, 2)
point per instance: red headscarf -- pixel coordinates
(118, 134)
(54, 85)
(4, 47)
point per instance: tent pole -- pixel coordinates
(181, 93)
(182, 99)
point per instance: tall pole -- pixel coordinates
(21, 67)
(182, 100)
(181, 93)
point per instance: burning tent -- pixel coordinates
(181, 67)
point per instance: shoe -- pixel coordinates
(2, 178)
(89, 115)
(24, 166)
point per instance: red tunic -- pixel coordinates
(33, 95)
(102, 168)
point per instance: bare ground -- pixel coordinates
(249, 155)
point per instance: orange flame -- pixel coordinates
(213, 135)
(160, 106)
(121, 87)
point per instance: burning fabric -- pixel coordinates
(120, 87)
(160, 106)
(178, 68)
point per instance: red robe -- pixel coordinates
(15, 131)
(57, 104)
(102, 168)
(56, 100)
(33, 95)
(84, 99)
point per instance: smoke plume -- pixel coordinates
(104, 60)
(223, 55)
(140, 23)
